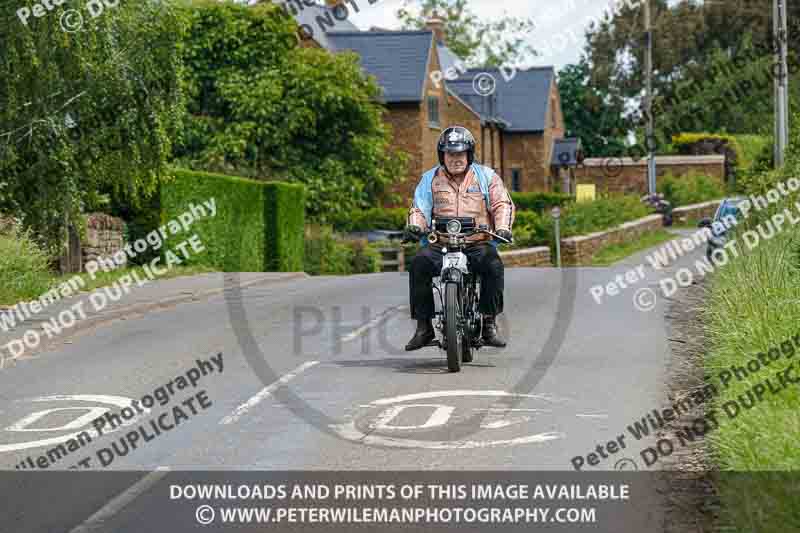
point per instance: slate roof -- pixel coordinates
(565, 152)
(397, 59)
(522, 101)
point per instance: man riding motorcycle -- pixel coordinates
(458, 187)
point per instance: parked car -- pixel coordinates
(720, 231)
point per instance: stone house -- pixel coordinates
(517, 127)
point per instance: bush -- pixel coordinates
(24, 266)
(713, 143)
(539, 201)
(141, 216)
(377, 218)
(325, 253)
(603, 213)
(690, 189)
(258, 226)
(752, 146)
(535, 229)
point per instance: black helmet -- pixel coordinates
(454, 140)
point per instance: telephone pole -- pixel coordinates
(780, 38)
(651, 162)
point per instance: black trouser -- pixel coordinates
(481, 258)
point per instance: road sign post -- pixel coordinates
(556, 213)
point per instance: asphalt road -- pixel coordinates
(315, 378)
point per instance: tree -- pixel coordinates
(691, 40)
(591, 114)
(85, 109)
(264, 107)
(478, 43)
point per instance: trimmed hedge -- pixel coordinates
(376, 218)
(258, 225)
(539, 201)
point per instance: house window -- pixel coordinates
(516, 176)
(553, 114)
(433, 111)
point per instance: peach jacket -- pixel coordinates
(482, 195)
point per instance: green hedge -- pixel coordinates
(690, 189)
(539, 201)
(537, 229)
(258, 226)
(326, 253)
(24, 266)
(377, 218)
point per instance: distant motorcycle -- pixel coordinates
(662, 207)
(459, 290)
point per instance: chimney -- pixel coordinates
(436, 25)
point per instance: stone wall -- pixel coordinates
(405, 121)
(625, 175)
(681, 215)
(527, 257)
(581, 249)
(104, 237)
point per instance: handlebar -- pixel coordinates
(435, 235)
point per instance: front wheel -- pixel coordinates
(455, 339)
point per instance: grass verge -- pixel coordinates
(753, 309)
(612, 253)
(13, 294)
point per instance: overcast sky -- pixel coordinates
(560, 24)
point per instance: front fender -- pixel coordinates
(452, 274)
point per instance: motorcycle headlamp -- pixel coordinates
(454, 227)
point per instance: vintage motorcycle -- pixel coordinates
(458, 318)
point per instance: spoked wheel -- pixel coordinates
(455, 340)
(470, 325)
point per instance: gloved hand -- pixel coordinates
(506, 234)
(412, 233)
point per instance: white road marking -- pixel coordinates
(99, 518)
(439, 417)
(119, 401)
(445, 393)
(503, 410)
(83, 420)
(372, 323)
(350, 432)
(592, 416)
(265, 393)
(497, 424)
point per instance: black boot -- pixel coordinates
(490, 337)
(422, 336)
